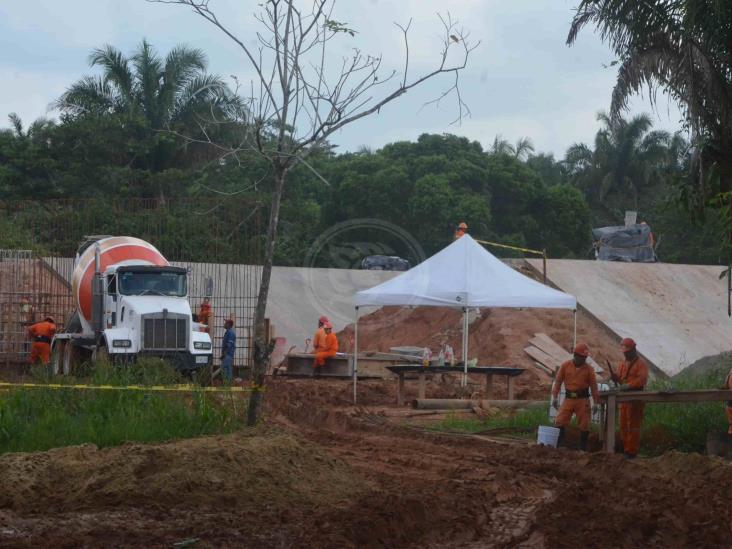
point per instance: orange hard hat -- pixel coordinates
(627, 345)
(463, 225)
(582, 349)
(323, 319)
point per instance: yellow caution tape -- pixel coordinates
(146, 388)
(527, 250)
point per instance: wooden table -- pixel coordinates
(611, 399)
(488, 371)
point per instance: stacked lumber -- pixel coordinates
(548, 355)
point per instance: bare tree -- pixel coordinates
(299, 97)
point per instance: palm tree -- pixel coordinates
(684, 48)
(627, 159)
(174, 93)
(522, 149)
(37, 130)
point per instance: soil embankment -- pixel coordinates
(326, 474)
(497, 337)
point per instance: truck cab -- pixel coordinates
(130, 302)
(146, 312)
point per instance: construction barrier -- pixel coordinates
(145, 388)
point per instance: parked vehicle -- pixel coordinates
(129, 302)
(385, 263)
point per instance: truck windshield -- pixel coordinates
(153, 283)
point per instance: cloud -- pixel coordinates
(28, 93)
(522, 81)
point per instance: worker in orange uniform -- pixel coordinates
(461, 230)
(579, 380)
(41, 334)
(330, 346)
(632, 375)
(204, 313)
(728, 408)
(319, 337)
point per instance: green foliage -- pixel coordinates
(666, 427)
(523, 421)
(683, 426)
(36, 419)
(111, 144)
(655, 41)
(564, 221)
(429, 186)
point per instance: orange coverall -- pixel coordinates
(41, 333)
(204, 314)
(575, 378)
(319, 340)
(329, 349)
(728, 408)
(634, 374)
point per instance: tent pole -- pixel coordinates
(575, 330)
(355, 359)
(465, 346)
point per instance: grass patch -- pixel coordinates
(528, 420)
(681, 427)
(39, 419)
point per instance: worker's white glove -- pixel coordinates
(555, 403)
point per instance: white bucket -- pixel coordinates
(548, 436)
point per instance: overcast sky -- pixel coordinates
(522, 80)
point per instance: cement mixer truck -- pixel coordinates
(130, 302)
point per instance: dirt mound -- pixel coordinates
(708, 365)
(272, 469)
(439, 490)
(351, 478)
(497, 336)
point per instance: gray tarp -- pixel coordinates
(632, 243)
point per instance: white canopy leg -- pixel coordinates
(465, 347)
(575, 330)
(355, 360)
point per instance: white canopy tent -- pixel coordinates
(463, 275)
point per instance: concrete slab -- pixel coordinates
(299, 295)
(676, 313)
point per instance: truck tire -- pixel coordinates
(100, 354)
(70, 359)
(57, 357)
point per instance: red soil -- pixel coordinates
(330, 475)
(497, 336)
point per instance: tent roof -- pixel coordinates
(465, 274)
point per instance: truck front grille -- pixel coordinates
(167, 333)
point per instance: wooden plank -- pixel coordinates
(548, 372)
(545, 343)
(549, 346)
(610, 426)
(488, 385)
(540, 356)
(400, 390)
(669, 396)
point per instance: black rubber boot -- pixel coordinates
(561, 436)
(584, 435)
